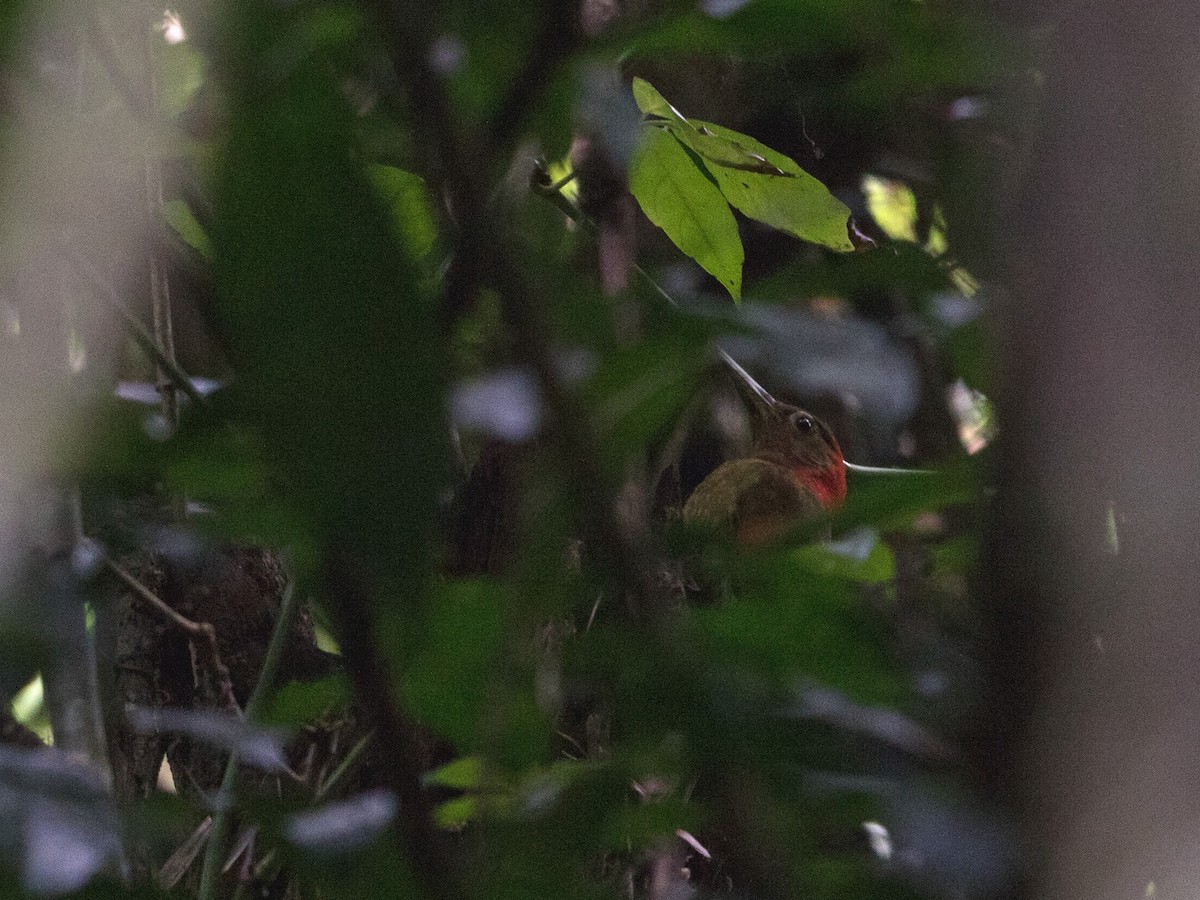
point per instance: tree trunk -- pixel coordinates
(1103, 345)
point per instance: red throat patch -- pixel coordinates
(828, 484)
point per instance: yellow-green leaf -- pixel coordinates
(788, 199)
(893, 205)
(678, 197)
(652, 103)
(183, 222)
(408, 201)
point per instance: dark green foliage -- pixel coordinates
(350, 403)
(556, 714)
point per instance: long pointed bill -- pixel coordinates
(877, 470)
(757, 395)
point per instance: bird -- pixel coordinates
(795, 472)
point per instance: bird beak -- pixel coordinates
(877, 470)
(757, 396)
(761, 401)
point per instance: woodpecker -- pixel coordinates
(795, 472)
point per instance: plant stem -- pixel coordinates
(145, 340)
(210, 873)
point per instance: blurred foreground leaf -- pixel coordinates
(337, 349)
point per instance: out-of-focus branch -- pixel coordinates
(160, 286)
(458, 160)
(138, 331)
(398, 742)
(136, 99)
(557, 38)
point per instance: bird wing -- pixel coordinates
(759, 500)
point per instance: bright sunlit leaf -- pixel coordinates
(893, 206)
(759, 182)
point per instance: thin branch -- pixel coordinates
(449, 153)
(134, 98)
(343, 767)
(210, 873)
(268, 860)
(160, 285)
(455, 165)
(552, 193)
(198, 632)
(185, 854)
(138, 331)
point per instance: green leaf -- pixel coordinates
(335, 342)
(721, 150)
(184, 223)
(456, 813)
(180, 76)
(652, 103)
(638, 392)
(407, 198)
(464, 773)
(788, 622)
(679, 198)
(760, 182)
(893, 206)
(449, 682)
(301, 702)
(876, 567)
(890, 500)
(790, 200)
(728, 152)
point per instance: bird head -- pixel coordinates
(794, 439)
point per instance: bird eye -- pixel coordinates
(804, 424)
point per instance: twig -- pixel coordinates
(185, 854)
(145, 340)
(457, 168)
(454, 153)
(199, 632)
(268, 858)
(447, 151)
(211, 871)
(142, 102)
(552, 193)
(160, 285)
(343, 767)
